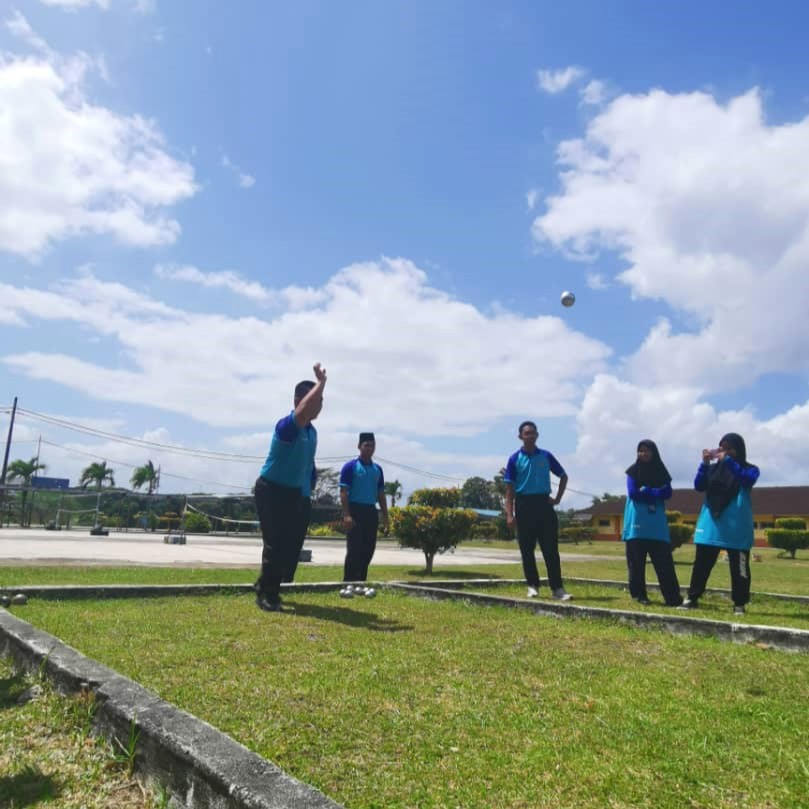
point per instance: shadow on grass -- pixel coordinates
(10, 689)
(27, 788)
(425, 578)
(347, 616)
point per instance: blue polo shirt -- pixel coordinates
(531, 474)
(363, 481)
(292, 454)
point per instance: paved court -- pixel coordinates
(37, 546)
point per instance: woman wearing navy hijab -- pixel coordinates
(646, 530)
(726, 519)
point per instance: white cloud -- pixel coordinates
(245, 180)
(295, 298)
(531, 198)
(139, 6)
(74, 5)
(440, 366)
(596, 280)
(704, 203)
(616, 414)
(73, 167)
(593, 93)
(555, 81)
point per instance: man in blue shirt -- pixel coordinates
(280, 485)
(530, 505)
(362, 487)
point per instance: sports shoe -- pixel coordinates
(561, 594)
(533, 592)
(645, 601)
(738, 610)
(263, 603)
(688, 604)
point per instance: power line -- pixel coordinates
(135, 466)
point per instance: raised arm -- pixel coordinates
(310, 405)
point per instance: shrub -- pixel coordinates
(681, 534)
(789, 535)
(435, 498)
(197, 523)
(791, 523)
(485, 530)
(577, 533)
(325, 530)
(431, 530)
(673, 516)
(503, 531)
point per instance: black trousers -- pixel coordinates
(360, 542)
(739, 562)
(295, 551)
(537, 523)
(663, 562)
(279, 514)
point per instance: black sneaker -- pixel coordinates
(263, 603)
(645, 601)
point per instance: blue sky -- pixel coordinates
(201, 200)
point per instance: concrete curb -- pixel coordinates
(776, 637)
(198, 765)
(69, 592)
(454, 584)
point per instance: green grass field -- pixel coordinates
(48, 758)
(402, 702)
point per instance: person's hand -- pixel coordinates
(707, 455)
(556, 500)
(320, 373)
(348, 522)
(384, 526)
(510, 520)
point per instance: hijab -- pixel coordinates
(723, 487)
(651, 473)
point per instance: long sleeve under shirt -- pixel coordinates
(647, 494)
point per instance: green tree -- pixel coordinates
(606, 498)
(436, 498)
(393, 489)
(477, 492)
(97, 474)
(24, 471)
(431, 530)
(327, 486)
(145, 475)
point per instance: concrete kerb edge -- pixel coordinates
(61, 592)
(198, 765)
(781, 638)
(454, 584)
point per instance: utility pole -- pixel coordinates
(5, 461)
(33, 488)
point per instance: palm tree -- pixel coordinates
(97, 473)
(145, 475)
(394, 490)
(24, 471)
